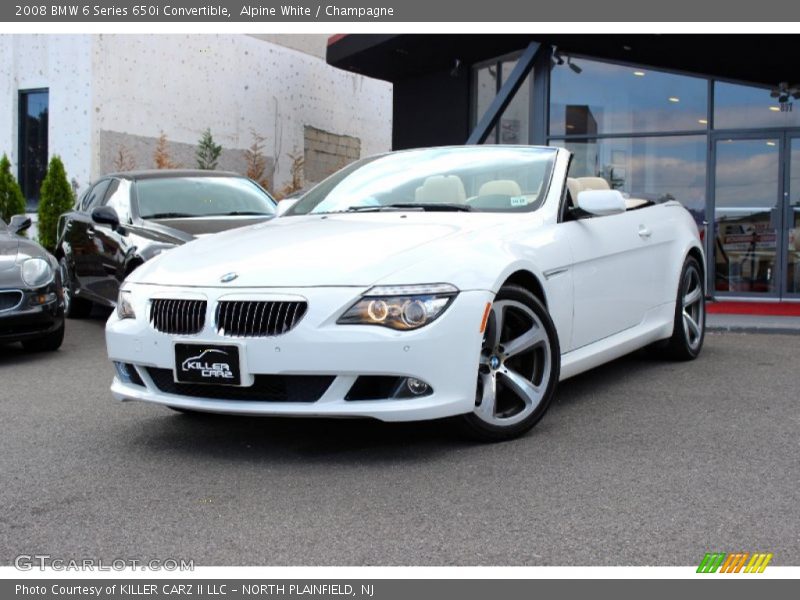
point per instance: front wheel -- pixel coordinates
(74, 307)
(519, 367)
(689, 327)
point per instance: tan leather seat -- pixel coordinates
(442, 189)
(500, 187)
(598, 183)
(593, 183)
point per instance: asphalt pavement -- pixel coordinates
(640, 462)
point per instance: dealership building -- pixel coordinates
(710, 120)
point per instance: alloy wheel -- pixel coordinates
(693, 307)
(515, 364)
(66, 285)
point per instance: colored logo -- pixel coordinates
(228, 277)
(738, 562)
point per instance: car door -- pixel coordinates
(79, 234)
(615, 269)
(111, 245)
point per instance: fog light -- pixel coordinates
(417, 387)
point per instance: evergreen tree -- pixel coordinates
(55, 198)
(12, 202)
(207, 152)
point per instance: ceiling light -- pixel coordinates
(639, 73)
(674, 99)
(702, 121)
(775, 108)
(770, 143)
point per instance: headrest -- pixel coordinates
(444, 189)
(593, 183)
(500, 187)
(574, 186)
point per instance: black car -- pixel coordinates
(125, 219)
(31, 297)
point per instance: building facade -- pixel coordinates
(102, 102)
(712, 121)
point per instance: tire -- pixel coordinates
(49, 343)
(74, 307)
(519, 368)
(689, 327)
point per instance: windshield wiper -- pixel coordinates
(169, 215)
(424, 206)
(240, 213)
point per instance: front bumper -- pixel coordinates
(443, 354)
(28, 322)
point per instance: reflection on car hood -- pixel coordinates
(196, 226)
(319, 250)
(9, 246)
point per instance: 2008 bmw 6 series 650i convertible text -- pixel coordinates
(415, 285)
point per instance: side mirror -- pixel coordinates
(19, 223)
(105, 215)
(601, 202)
(285, 205)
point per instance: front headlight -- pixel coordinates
(402, 307)
(124, 306)
(36, 272)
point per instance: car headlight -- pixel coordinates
(124, 305)
(36, 272)
(402, 307)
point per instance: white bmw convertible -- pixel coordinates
(446, 282)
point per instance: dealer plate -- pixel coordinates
(207, 363)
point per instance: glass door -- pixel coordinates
(748, 193)
(793, 217)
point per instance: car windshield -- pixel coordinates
(472, 178)
(2, 225)
(179, 197)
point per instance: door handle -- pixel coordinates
(644, 232)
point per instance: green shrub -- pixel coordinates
(12, 202)
(208, 152)
(55, 198)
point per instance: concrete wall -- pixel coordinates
(233, 84)
(61, 63)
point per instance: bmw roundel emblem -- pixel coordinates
(228, 277)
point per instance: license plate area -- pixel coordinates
(207, 363)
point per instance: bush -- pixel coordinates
(12, 202)
(208, 152)
(55, 198)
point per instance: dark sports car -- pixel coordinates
(31, 298)
(128, 218)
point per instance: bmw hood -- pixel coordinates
(313, 250)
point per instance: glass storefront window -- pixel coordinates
(514, 122)
(793, 229)
(594, 98)
(513, 126)
(747, 107)
(653, 168)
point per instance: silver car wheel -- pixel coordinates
(693, 307)
(515, 364)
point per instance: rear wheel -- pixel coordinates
(49, 343)
(519, 367)
(74, 308)
(690, 314)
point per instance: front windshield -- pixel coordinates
(2, 225)
(473, 178)
(177, 197)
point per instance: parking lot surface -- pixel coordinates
(639, 462)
